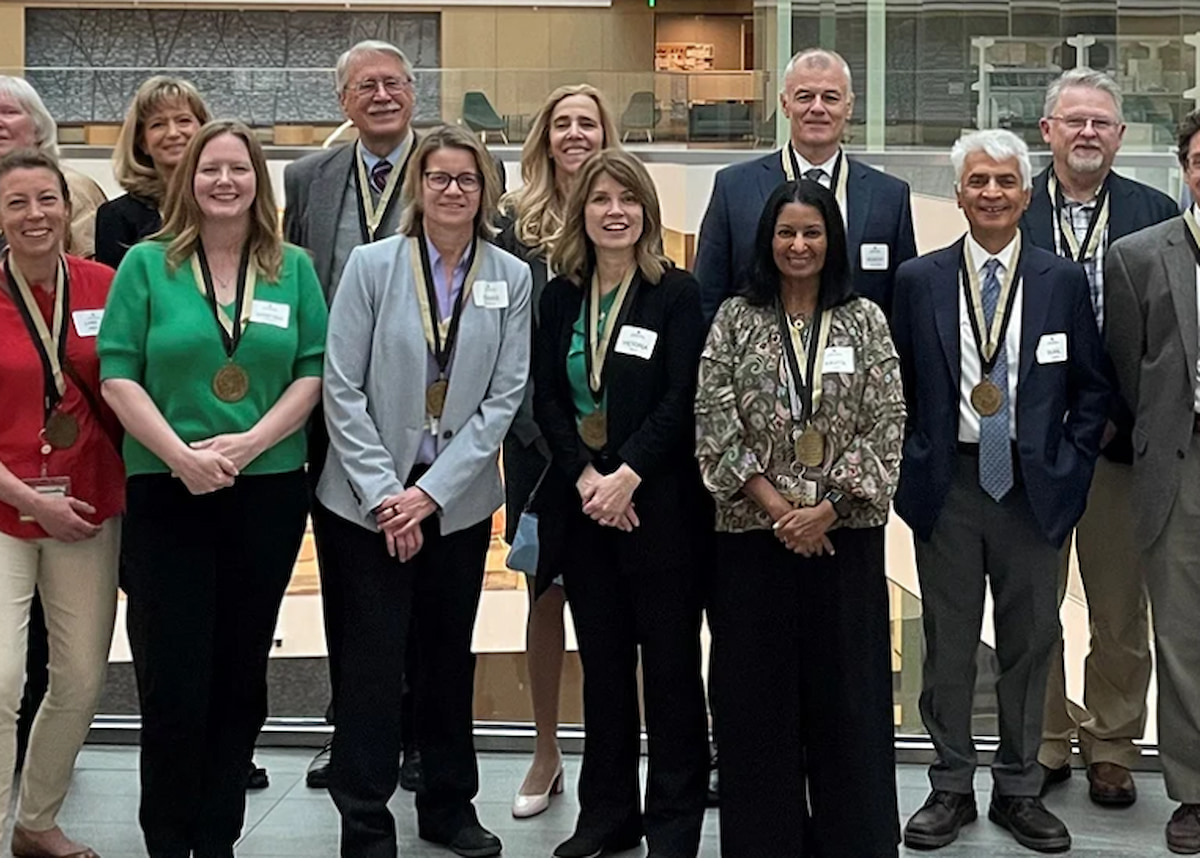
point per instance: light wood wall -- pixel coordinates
(12, 38)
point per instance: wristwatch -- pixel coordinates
(839, 501)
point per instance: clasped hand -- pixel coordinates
(62, 518)
(608, 500)
(804, 530)
(399, 518)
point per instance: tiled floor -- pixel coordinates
(290, 821)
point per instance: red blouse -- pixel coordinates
(92, 462)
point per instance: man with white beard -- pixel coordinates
(1079, 207)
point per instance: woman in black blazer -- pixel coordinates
(622, 513)
(165, 114)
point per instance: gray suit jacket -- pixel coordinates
(1151, 334)
(314, 187)
(375, 363)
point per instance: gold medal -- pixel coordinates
(593, 429)
(435, 397)
(986, 398)
(231, 383)
(810, 448)
(62, 431)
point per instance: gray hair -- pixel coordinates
(999, 144)
(1082, 77)
(818, 58)
(370, 46)
(45, 129)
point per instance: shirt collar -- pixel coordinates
(805, 165)
(370, 159)
(435, 258)
(979, 256)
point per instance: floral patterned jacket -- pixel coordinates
(744, 422)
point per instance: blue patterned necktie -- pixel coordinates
(379, 174)
(995, 451)
(816, 174)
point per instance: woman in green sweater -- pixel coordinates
(211, 355)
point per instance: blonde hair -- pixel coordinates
(132, 165)
(182, 218)
(450, 137)
(537, 203)
(573, 254)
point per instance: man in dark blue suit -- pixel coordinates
(818, 99)
(1080, 207)
(1004, 376)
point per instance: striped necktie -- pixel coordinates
(379, 174)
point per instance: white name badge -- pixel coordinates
(636, 341)
(1052, 348)
(87, 322)
(270, 313)
(874, 257)
(839, 359)
(490, 294)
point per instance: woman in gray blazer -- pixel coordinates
(427, 361)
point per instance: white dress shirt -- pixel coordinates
(970, 366)
(828, 166)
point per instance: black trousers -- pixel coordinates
(437, 593)
(205, 575)
(804, 688)
(619, 606)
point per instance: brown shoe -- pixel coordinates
(1111, 785)
(1183, 831)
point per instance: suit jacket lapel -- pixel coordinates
(945, 288)
(1122, 208)
(771, 176)
(858, 204)
(1181, 279)
(326, 193)
(1039, 217)
(1035, 302)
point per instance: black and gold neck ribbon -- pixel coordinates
(440, 334)
(247, 278)
(837, 183)
(1193, 230)
(372, 216)
(806, 380)
(50, 341)
(596, 349)
(1087, 250)
(989, 349)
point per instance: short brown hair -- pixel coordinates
(1188, 126)
(182, 218)
(132, 165)
(573, 255)
(451, 137)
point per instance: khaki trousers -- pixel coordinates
(1117, 667)
(78, 585)
(1173, 579)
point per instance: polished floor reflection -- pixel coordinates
(290, 820)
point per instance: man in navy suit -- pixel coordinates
(818, 99)
(1080, 206)
(1004, 376)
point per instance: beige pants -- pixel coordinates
(78, 586)
(1116, 673)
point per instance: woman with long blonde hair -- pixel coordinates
(572, 125)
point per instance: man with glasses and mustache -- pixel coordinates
(1079, 207)
(338, 199)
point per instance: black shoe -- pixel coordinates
(257, 778)
(1053, 777)
(586, 846)
(317, 776)
(937, 823)
(410, 770)
(714, 784)
(470, 841)
(1183, 831)
(1027, 819)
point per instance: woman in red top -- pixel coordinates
(61, 492)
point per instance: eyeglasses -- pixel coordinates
(1078, 123)
(391, 85)
(468, 183)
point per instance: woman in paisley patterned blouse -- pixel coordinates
(802, 480)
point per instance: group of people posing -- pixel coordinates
(730, 441)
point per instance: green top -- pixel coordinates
(581, 392)
(159, 331)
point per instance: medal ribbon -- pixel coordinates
(596, 353)
(969, 274)
(247, 278)
(51, 342)
(806, 381)
(371, 216)
(791, 169)
(440, 334)
(1066, 229)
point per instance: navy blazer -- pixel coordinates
(1061, 407)
(880, 212)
